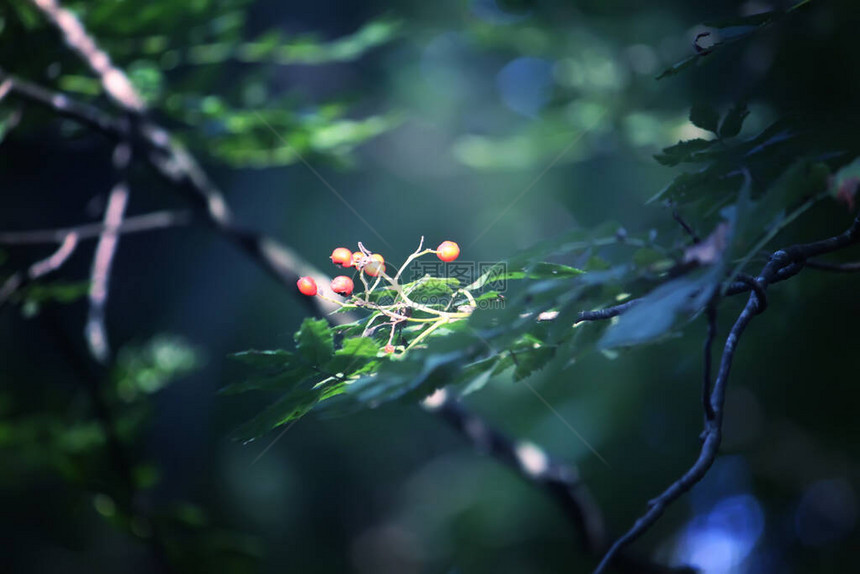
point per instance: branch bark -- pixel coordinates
(793, 257)
(39, 269)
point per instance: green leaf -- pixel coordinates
(148, 368)
(56, 291)
(281, 381)
(679, 66)
(275, 359)
(685, 151)
(315, 341)
(503, 272)
(705, 117)
(653, 316)
(531, 359)
(356, 354)
(475, 375)
(291, 406)
(734, 121)
(749, 21)
(431, 290)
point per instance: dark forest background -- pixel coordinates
(433, 130)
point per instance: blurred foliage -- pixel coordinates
(177, 56)
(458, 103)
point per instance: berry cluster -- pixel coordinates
(371, 271)
(373, 264)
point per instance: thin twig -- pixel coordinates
(676, 215)
(782, 259)
(39, 269)
(65, 106)
(133, 224)
(95, 330)
(114, 81)
(607, 313)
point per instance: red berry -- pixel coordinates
(307, 286)
(375, 265)
(448, 251)
(342, 256)
(343, 285)
(388, 348)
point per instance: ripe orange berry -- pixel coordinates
(307, 286)
(343, 285)
(388, 348)
(374, 265)
(357, 257)
(448, 251)
(342, 256)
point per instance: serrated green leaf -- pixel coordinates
(685, 151)
(505, 272)
(734, 121)
(705, 117)
(315, 341)
(752, 20)
(531, 359)
(653, 316)
(281, 381)
(274, 359)
(679, 66)
(354, 356)
(431, 290)
(475, 375)
(291, 406)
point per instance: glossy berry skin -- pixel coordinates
(342, 256)
(448, 251)
(374, 265)
(388, 348)
(356, 258)
(342, 285)
(307, 286)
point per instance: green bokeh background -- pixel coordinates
(393, 490)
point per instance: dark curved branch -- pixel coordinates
(179, 169)
(688, 229)
(795, 255)
(607, 313)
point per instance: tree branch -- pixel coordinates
(64, 106)
(114, 81)
(95, 330)
(134, 224)
(39, 269)
(780, 260)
